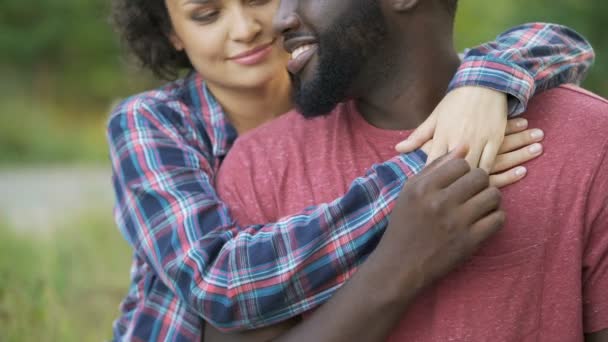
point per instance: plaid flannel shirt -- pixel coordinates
(191, 261)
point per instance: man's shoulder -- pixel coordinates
(581, 94)
(571, 112)
(570, 100)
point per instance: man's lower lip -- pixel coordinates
(255, 58)
(296, 65)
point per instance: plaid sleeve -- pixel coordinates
(236, 277)
(525, 60)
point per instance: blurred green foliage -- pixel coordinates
(482, 20)
(62, 67)
(64, 285)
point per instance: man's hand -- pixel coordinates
(442, 216)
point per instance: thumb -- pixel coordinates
(419, 137)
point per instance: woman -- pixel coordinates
(167, 145)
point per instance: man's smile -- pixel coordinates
(302, 50)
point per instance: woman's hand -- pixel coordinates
(472, 116)
(519, 146)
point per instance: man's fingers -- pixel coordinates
(419, 137)
(503, 179)
(459, 152)
(518, 140)
(482, 204)
(467, 186)
(487, 226)
(516, 125)
(447, 173)
(509, 160)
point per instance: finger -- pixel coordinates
(426, 148)
(459, 152)
(486, 227)
(438, 149)
(517, 140)
(509, 160)
(467, 186)
(474, 155)
(516, 125)
(482, 204)
(421, 135)
(501, 180)
(447, 173)
(488, 156)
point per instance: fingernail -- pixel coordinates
(535, 149)
(522, 123)
(537, 134)
(520, 171)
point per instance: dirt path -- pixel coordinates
(40, 198)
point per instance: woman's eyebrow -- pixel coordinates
(198, 2)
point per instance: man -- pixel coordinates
(543, 277)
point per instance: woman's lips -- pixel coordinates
(254, 56)
(295, 65)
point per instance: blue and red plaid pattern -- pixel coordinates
(526, 60)
(192, 262)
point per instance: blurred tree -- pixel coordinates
(61, 50)
(480, 20)
(62, 67)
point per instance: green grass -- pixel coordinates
(64, 285)
(33, 133)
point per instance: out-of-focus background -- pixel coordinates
(63, 265)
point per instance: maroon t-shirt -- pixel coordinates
(544, 277)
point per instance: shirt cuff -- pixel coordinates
(499, 75)
(409, 164)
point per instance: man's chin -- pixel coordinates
(310, 107)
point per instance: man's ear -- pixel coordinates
(403, 5)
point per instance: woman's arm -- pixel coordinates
(417, 248)
(168, 210)
(526, 60)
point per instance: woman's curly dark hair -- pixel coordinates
(145, 28)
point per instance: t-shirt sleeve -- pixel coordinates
(595, 257)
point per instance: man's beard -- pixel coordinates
(344, 50)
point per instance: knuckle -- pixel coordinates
(501, 219)
(495, 194)
(436, 204)
(420, 189)
(460, 164)
(481, 176)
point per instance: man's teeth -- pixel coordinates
(297, 52)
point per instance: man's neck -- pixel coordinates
(402, 95)
(248, 108)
